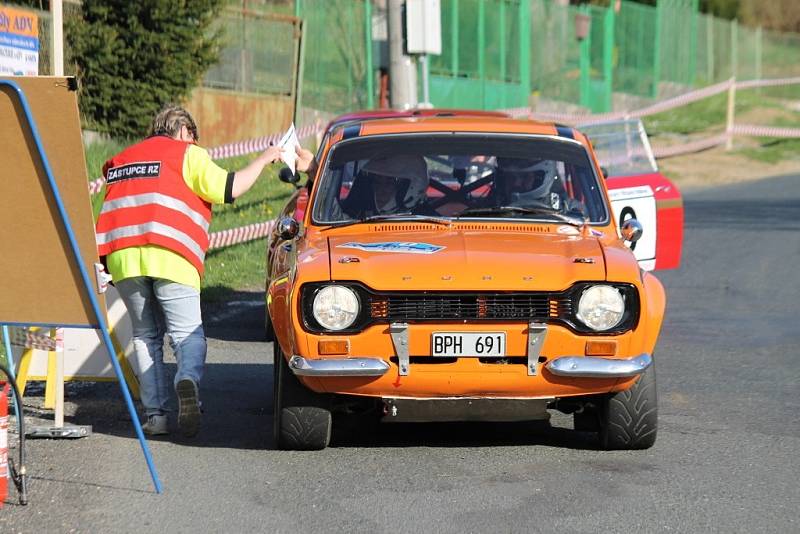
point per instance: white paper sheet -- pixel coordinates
(287, 144)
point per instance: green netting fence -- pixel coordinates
(338, 75)
(485, 55)
(257, 54)
(497, 53)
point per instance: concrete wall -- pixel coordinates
(226, 117)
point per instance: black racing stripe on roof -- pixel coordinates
(565, 131)
(354, 130)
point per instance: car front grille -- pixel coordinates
(538, 306)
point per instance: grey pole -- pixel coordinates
(402, 68)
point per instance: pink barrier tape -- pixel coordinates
(23, 337)
(767, 83)
(239, 148)
(242, 234)
(659, 107)
(764, 131)
(259, 144)
(689, 148)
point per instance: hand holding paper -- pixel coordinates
(288, 145)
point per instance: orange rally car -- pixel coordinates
(460, 268)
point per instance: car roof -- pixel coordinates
(465, 123)
(375, 114)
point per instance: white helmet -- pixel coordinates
(411, 172)
(544, 174)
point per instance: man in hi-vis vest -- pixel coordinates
(153, 233)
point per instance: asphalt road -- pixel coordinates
(726, 458)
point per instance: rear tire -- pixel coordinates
(302, 419)
(629, 419)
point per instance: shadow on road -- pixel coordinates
(230, 315)
(750, 214)
(349, 434)
(237, 406)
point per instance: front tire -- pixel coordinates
(269, 331)
(629, 419)
(302, 419)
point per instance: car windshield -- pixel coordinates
(622, 147)
(461, 176)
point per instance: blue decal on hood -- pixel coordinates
(394, 246)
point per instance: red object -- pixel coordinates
(146, 191)
(4, 390)
(669, 209)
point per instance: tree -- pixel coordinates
(133, 57)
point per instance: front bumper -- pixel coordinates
(592, 367)
(338, 367)
(571, 366)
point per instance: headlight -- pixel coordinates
(335, 307)
(601, 307)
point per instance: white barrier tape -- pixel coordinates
(659, 107)
(239, 148)
(242, 234)
(764, 131)
(689, 148)
(24, 337)
(749, 84)
(259, 144)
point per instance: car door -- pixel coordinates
(638, 191)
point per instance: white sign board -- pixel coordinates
(19, 42)
(85, 356)
(424, 27)
(640, 204)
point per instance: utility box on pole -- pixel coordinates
(423, 27)
(424, 36)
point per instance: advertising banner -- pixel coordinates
(19, 42)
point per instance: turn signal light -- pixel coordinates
(601, 348)
(330, 347)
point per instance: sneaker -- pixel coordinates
(156, 425)
(188, 407)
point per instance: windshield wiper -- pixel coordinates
(393, 216)
(501, 210)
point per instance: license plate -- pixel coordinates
(449, 344)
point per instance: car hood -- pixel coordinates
(464, 260)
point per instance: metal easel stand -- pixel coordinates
(54, 395)
(88, 288)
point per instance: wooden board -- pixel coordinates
(40, 281)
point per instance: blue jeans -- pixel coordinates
(156, 307)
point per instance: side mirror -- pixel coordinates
(288, 228)
(631, 230)
(285, 175)
(604, 172)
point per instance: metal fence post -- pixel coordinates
(585, 64)
(503, 48)
(482, 50)
(525, 50)
(454, 36)
(759, 37)
(608, 57)
(368, 51)
(710, 49)
(693, 44)
(657, 48)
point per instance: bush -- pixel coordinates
(133, 57)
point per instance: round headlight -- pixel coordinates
(335, 307)
(601, 307)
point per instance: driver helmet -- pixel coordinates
(409, 174)
(529, 180)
